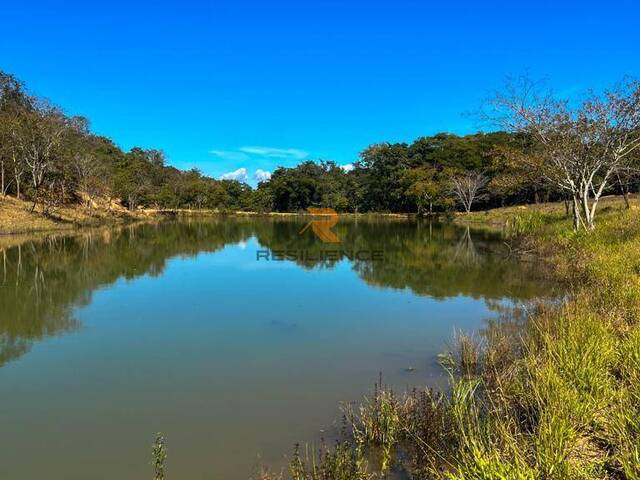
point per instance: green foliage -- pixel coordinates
(53, 159)
(524, 224)
(387, 177)
(426, 188)
(309, 184)
(377, 423)
(551, 395)
(390, 177)
(159, 453)
(343, 462)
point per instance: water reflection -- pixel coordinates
(44, 280)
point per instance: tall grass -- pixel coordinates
(566, 405)
(556, 396)
(376, 423)
(343, 462)
(159, 454)
(553, 395)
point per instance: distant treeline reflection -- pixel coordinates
(44, 280)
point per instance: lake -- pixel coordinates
(185, 327)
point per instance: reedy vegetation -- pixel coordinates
(551, 394)
(159, 453)
(559, 400)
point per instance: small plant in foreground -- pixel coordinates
(377, 423)
(340, 463)
(159, 452)
(552, 393)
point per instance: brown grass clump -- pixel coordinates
(17, 216)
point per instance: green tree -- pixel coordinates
(424, 186)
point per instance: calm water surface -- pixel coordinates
(110, 336)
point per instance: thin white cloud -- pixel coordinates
(269, 152)
(229, 155)
(239, 175)
(262, 175)
(348, 167)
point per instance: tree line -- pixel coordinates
(543, 149)
(52, 159)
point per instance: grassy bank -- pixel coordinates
(552, 211)
(17, 217)
(551, 394)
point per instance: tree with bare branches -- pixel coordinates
(40, 138)
(580, 149)
(13, 101)
(468, 187)
(88, 184)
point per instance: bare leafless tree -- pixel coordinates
(12, 151)
(468, 187)
(10, 89)
(86, 168)
(12, 103)
(580, 148)
(40, 137)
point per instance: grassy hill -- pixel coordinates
(16, 216)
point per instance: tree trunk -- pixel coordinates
(2, 174)
(577, 220)
(588, 210)
(625, 193)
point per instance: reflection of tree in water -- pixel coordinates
(444, 261)
(43, 281)
(11, 348)
(32, 306)
(465, 251)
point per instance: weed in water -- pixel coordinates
(159, 453)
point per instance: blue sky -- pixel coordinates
(224, 86)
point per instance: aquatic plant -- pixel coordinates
(339, 463)
(552, 395)
(376, 423)
(159, 453)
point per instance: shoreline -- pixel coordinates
(553, 394)
(16, 219)
(564, 381)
